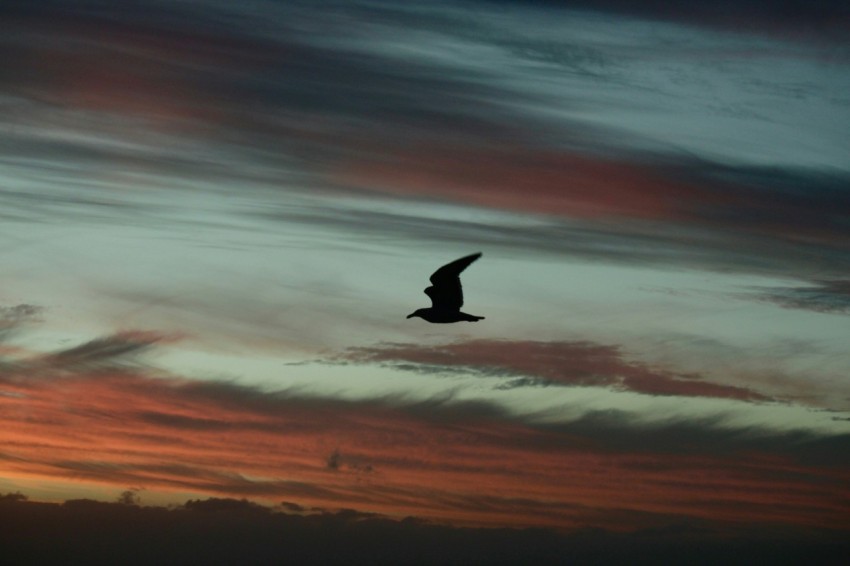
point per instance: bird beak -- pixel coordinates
(411, 315)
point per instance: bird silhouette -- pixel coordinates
(447, 294)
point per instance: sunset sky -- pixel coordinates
(215, 216)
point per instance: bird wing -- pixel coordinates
(446, 292)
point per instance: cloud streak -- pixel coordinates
(822, 296)
(698, 213)
(332, 100)
(111, 350)
(262, 177)
(546, 363)
(444, 459)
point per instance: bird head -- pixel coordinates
(418, 313)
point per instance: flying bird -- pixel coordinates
(447, 295)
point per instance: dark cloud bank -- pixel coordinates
(803, 15)
(230, 531)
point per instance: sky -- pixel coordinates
(215, 217)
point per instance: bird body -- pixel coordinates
(438, 316)
(446, 294)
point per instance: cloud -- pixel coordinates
(181, 422)
(799, 16)
(227, 506)
(352, 109)
(239, 530)
(19, 313)
(11, 318)
(111, 349)
(197, 91)
(336, 460)
(616, 431)
(144, 115)
(101, 354)
(792, 206)
(823, 296)
(648, 210)
(333, 461)
(674, 210)
(444, 459)
(291, 507)
(532, 363)
(552, 183)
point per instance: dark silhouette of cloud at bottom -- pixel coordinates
(231, 531)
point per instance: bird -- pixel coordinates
(447, 295)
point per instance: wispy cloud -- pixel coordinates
(466, 109)
(392, 455)
(797, 16)
(11, 318)
(530, 363)
(675, 210)
(111, 350)
(822, 296)
(231, 168)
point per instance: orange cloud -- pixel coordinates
(462, 463)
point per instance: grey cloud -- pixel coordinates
(539, 364)
(19, 313)
(610, 430)
(524, 382)
(337, 461)
(192, 477)
(249, 70)
(444, 408)
(182, 422)
(607, 430)
(333, 461)
(292, 507)
(789, 205)
(11, 321)
(118, 348)
(800, 16)
(28, 206)
(121, 350)
(225, 506)
(717, 245)
(11, 318)
(618, 431)
(822, 296)
(290, 92)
